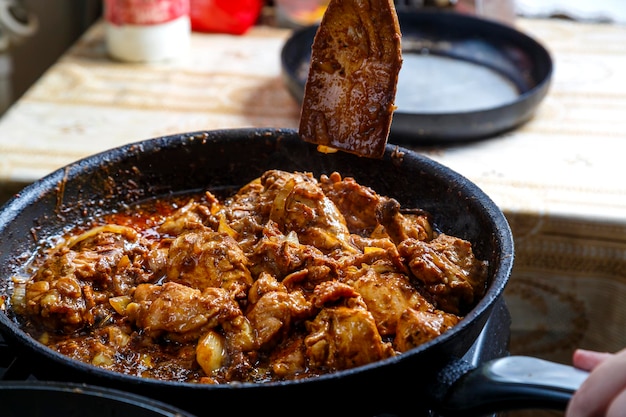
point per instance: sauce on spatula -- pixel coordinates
(351, 86)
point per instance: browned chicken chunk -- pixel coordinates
(205, 258)
(189, 217)
(274, 310)
(387, 296)
(284, 257)
(369, 214)
(418, 327)
(178, 309)
(449, 270)
(344, 337)
(350, 91)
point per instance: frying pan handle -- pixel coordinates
(512, 383)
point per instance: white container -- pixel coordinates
(147, 30)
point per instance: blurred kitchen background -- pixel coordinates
(33, 34)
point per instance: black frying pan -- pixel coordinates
(231, 158)
(463, 77)
(54, 399)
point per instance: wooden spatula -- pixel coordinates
(351, 87)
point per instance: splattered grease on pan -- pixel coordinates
(291, 277)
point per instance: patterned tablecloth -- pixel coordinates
(559, 178)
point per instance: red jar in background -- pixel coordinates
(224, 16)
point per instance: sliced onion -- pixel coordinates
(211, 352)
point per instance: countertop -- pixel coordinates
(559, 178)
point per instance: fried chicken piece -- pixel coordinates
(183, 315)
(288, 360)
(351, 87)
(294, 201)
(274, 309)
(286, 259)
(192, 215)
(204, 258)
(370, 214)
(356, 202)
(301, 206)
(399, 309)
(418, 327)
(449, 270)
(344, 333)
(182, 312)
(400, 226)
(387, 296)
(333, 292)
(343, 337)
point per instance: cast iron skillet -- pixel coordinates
(230, 158)
(500, 49)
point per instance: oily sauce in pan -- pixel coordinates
(290, 277)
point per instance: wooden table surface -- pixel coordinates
(559, 178)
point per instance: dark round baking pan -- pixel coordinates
(463, 77)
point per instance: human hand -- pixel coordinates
(603, 394)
